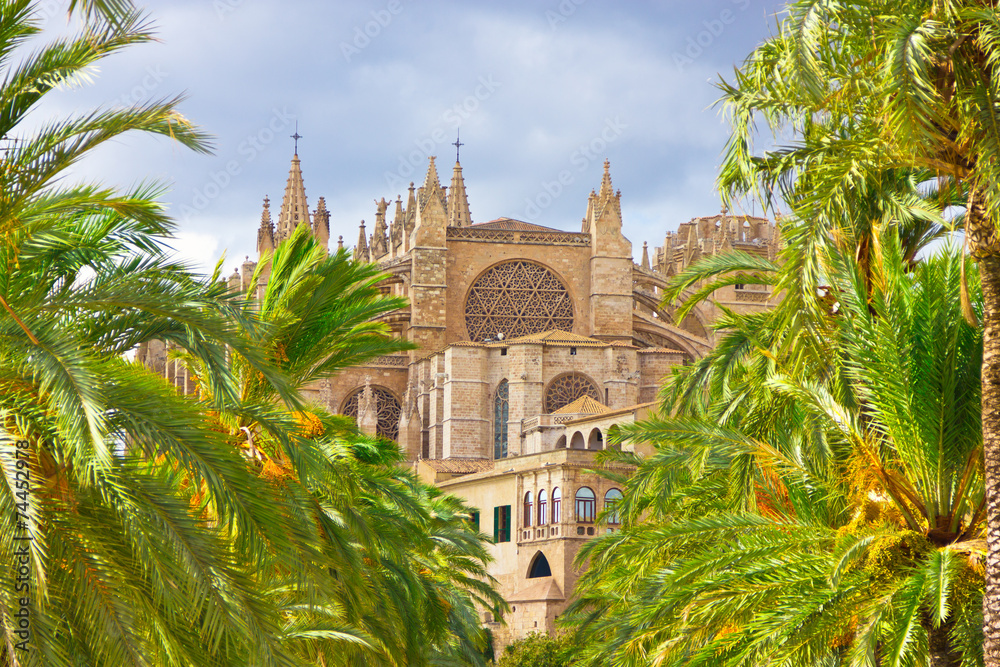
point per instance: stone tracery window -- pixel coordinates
(567, 388)
(501, 407)
(387, 410)
(517, 298)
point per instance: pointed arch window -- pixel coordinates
(527, 509)
(539, 567)
(542, 518)
(556, 505)
(501, 409)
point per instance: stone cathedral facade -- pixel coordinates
(534, 344)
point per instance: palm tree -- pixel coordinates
(409, 568)
(802, 516)
(156, 534)
(123, 569)
(867, 87)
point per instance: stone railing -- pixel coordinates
(514, 236)
(549, 421)
(757, 297)
(753, 293)
(395, 360)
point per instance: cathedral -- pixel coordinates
(534, 345)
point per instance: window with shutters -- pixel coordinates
(501, 524)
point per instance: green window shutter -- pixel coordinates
(475, 519)
(496, 524)
(506, 524)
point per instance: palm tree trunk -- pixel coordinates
(941, 652)
(983, 242)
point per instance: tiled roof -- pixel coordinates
(543, 588)
(510, 224)
(660, 350)
(612, 413)
(459, 466)
(555, 337)
(584, 405)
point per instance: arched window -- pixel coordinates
(556, 505)
(527, 509)
(611, 500)
(542, 518)
(387, 409)
(539, 567)
(586, 505)
(501, 405)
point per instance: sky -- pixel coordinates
(542, 93)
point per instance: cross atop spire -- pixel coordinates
(296, 137)
(458, 142)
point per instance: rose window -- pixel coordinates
(516, 299)
(567, 388)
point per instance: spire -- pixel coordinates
(265, 235)
(321, 223)
(606, 200)
(361, 250)
(396, 229)
(294, 209)
(431, 186)
(380, 239)
(458, 201)
(590, 212)
(645, 256)
(234, 280)
(432, 212)
(409, 218)
(606, 192)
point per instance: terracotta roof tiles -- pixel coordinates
(511, 224)
(556, 337)
(583, 405)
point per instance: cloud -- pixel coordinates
(553, 86)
